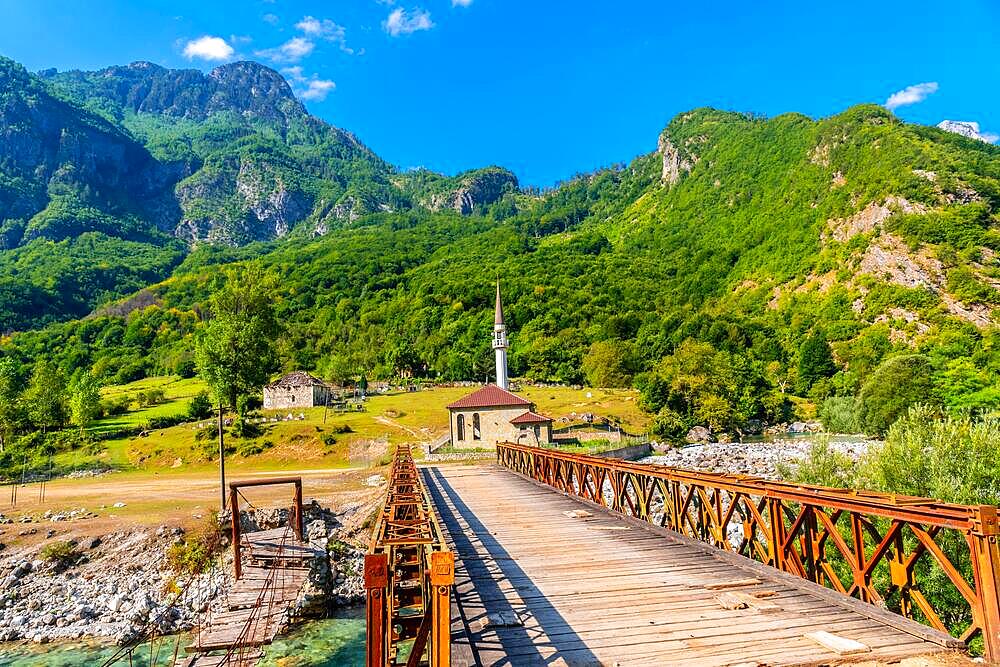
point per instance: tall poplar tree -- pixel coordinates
(235, 350)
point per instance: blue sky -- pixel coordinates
(546, 88)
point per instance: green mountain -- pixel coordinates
(94, 162)
(744, 261)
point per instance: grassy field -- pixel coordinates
(170, 476)
(177, 394)
(353, 439)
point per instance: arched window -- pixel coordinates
(476, 434)
(460, 427)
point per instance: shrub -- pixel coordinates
(155, 423)
(115, 407)
(823, 465)
(151, 398)
(839, 414)
(253, 447)
(194, 553)
(669, 424)
(329, 440)
(897, 384)
(956, 459)
(61, 552)
(200, 406)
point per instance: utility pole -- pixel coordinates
(222, 460)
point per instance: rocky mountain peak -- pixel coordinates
(247, 88)
(967, 128)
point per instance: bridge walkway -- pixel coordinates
(542, 578)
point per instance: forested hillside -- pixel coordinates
(108, 178)
(744, 264)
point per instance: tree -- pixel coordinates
(11, 412)
(84, 400)
(897, 384)
(235, 350)
(200, 406)
(815, 360)
(609, 363)
(45, 398)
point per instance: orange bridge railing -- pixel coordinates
(409, 573)
(936, 563)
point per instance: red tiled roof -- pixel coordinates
(490, 396)
(530, 418)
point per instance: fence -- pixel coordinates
(937, 563)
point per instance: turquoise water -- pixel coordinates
(335, 641)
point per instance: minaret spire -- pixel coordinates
(500, 342)
(498, 318)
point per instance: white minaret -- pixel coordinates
(500, 342)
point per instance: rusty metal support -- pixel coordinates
(294, 515)
(376, 581)
(409, 574)
(235, 507)
(837, 538)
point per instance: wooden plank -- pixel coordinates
(588, 595)
(733, 583)
(732, 601)
(837, 644)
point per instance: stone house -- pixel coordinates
(490, 415)
(297, 390)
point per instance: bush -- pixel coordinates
(669, 424)
(955, 459)
(200, 406)
(253, 447)
(61, 552)
(151, 398)
(186, 368)
(209, 433)
(115, 407)
(897, 384)
(824, 466)
(156, 423)
(839, 414)
(329, 440)
(195, 553)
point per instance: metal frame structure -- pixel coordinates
(881, 548)
(294, 519)
(409, 573)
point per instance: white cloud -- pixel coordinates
(911, 95)
(324, 29)
(308, 87)
(291, 51)
(401, 22)
(270, 18)
(208, 48)
(461, 3)
(317, 89)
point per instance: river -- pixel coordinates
(336, 641)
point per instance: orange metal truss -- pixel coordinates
(885, 549)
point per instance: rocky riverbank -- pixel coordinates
(116, 585)
(759, 459)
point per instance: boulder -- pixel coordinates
(699, 434)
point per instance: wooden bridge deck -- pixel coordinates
(542, 578)
(256, 606)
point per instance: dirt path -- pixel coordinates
(174, 498)
(389, 422)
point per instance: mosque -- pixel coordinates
(492, 413)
